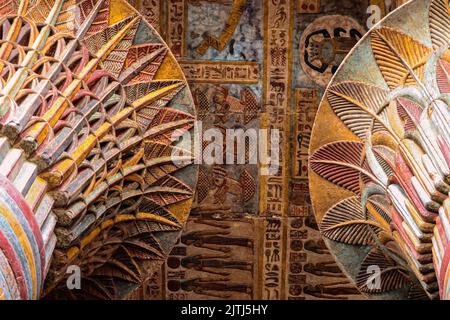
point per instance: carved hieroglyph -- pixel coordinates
(325, 43)
(380, 157)
(91, 105)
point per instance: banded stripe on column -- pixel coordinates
(21, 243)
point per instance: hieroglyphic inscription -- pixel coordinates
(308, 6)
(274, 189)
(306, 104)
(220, 71)
(151, 10)
(176, 19)
(272, 258)
(277, 81)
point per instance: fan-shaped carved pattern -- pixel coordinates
(400, 169)
(89, 123)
